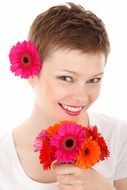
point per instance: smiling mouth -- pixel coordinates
(71, 110)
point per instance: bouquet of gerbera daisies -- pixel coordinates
(69, 142)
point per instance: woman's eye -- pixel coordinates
(94, 81)
(66, 78)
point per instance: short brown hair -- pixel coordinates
(69, 26)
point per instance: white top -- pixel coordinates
(13, 177)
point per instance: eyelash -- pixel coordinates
(63, 78)
(91, 81)
(94, 80)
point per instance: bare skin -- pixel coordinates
(78, 89)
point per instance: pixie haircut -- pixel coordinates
(69, 27)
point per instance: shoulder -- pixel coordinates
(108, 122)
(5, 146)
(112, 128)
(4, 139)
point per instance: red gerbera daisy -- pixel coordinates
(24, 58)
(47, 155)
(104, 148)
(93, 131)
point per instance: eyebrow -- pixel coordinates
(73, 72)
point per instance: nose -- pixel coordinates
(80, 95)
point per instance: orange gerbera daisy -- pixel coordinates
(89, 154)
(53, 129)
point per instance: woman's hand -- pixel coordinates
(71, 177)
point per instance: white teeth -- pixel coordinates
(71, 108)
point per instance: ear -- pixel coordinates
(32, 81)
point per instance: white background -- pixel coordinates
(16, 96)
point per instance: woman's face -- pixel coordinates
(69, 82)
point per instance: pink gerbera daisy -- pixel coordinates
(24, 58)
(39, 140)
(68, 141)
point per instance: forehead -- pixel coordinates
(75, 60)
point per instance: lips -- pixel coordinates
(71, 110)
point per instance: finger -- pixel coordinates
(70, 187)
(69, 179)
(64, 169)
(64, 187)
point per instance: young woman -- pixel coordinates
(73, 47)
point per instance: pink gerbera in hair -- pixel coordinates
(24, 58)
(68, 141)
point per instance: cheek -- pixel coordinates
(58, 94)
(51, 91)
(94, 94)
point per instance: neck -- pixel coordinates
(39, 120)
